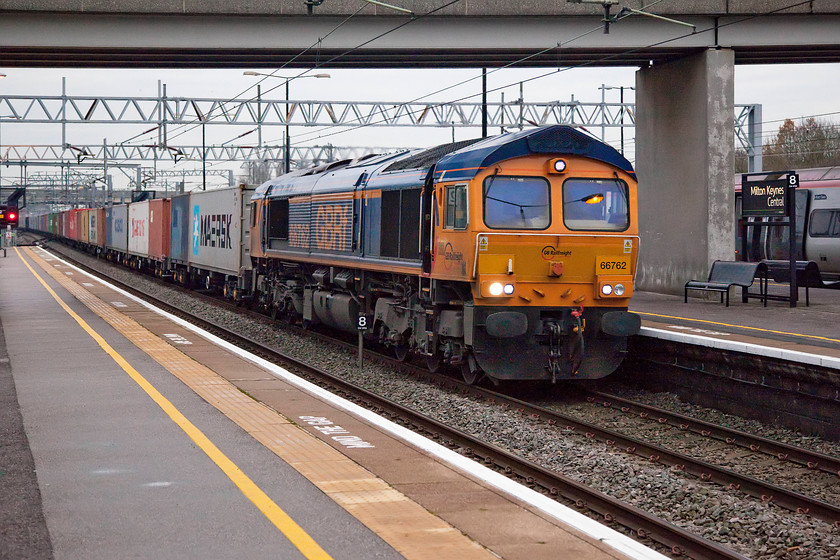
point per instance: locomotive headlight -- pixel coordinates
(497, 286)
(606, 289)
(556, 166)
(619, 289)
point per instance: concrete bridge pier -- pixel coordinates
(685, 164)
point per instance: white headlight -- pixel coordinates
(559, 166)
(496, 289)
(509, 289)
(619, 289)
(606, 289)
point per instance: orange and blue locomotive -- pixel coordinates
(511, 257)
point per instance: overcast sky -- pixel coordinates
(785, 91)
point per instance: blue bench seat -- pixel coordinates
(725, 274)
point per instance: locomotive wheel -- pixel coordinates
(433, 363)
(207, 282)
(401, 352)
(471, 376)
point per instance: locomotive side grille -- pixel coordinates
(299, 213)
(332, 225)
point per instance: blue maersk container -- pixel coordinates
(181, 229)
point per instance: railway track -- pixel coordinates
(757, 444)
(646, 526)
(707, 472)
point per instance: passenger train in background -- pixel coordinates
(817, 223)
(511, 257)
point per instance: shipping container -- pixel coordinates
(159, 228)
(117, 228)
(71, 224)
(138, 229)
(83, 225)
(181, 225)
(96, 220)
(220, 228)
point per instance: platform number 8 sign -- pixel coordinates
(363, 323)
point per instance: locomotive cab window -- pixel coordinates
(278, 223)
(595, 205)
(516, 202)
(456, 207)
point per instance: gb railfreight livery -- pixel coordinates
(511, 257)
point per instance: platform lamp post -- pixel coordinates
(287, 152)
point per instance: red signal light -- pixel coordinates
(12, 216)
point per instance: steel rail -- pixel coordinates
(782, 451)
(707, 472)
(607, 508)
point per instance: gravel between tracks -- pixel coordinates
(755, 529)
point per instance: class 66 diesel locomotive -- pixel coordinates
(511, 257)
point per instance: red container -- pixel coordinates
(71, 223)
(159, 228)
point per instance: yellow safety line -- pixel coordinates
(815, 337)
(298, 537)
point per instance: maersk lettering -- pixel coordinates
(215, 231)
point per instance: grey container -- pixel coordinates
(219, 230)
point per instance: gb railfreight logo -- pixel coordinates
(550, 252)
(451, 256)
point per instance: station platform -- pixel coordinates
(147, 438)
(803, 334)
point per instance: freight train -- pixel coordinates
(817, 223)
(511, 257)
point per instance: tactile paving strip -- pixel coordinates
(413, 531)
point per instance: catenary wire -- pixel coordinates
(558, 46)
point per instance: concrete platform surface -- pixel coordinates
(801, 330)
(152, 440)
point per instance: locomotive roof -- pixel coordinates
(329, 175)
(455, 161)
(426, 158)
(557, 140)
